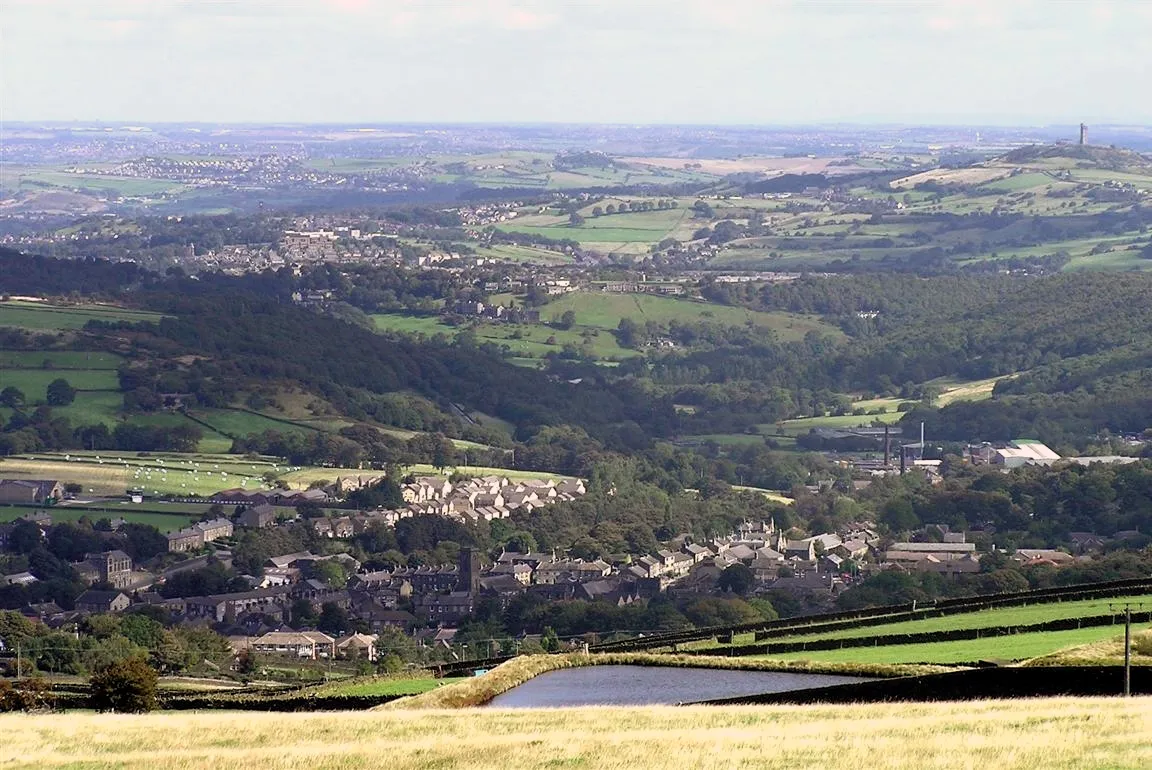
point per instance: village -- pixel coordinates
(427, 602)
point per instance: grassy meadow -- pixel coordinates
(603, 310)
(45, 316)
(1091, 733)
(165, 522)
(112, 472)
(1015, 648)
(1001, 616)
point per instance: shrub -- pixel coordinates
(29, 695)
(127, 686)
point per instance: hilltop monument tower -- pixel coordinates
(1083, 134)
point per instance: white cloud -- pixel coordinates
(696, 61)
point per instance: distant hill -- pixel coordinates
(1113, 158)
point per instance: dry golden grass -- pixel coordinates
(479, 690)
(1107, 652)
(1055, 734)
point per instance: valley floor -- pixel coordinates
(1057, 734)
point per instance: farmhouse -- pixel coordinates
(300, 644)
(28, 492)
(94, 602)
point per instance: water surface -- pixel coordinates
(636, 685)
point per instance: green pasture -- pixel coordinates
(113, 472)
(59, 360)
(522, 340)
(162, 521)
(605, 310)
(383, 686)
(34, 382)
(804, 424)
(1001, 616)
(91, 408)
(1016, 647)
(598, 314)
(42, 315)
(1020, 182)
(428, 325)
(235, 422)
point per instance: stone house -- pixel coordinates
(95, 602)
(113, 567)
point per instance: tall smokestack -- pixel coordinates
(887, 447)
(1083, 134)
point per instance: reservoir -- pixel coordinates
(637, 685)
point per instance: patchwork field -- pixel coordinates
(1091, 733)
(951, 390)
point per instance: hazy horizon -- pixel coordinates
(765, 63)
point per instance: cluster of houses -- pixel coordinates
(494, 312)
(486, 498)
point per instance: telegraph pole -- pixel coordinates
(1127, 645)
(1127, 608)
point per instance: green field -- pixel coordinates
(165, 522)
(59, 360)
(605, 310)
(112, 472)
(384, 686)
(1017, 647)
(598, 314)
(1002, 616)
(34, 382)
(42, 315)
(522, 340)
(804, 424)
(236, 422)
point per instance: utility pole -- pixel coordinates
(1127, 609)
(1127, 649)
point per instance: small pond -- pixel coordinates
(635, 685)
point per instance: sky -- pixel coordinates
(757, 62)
